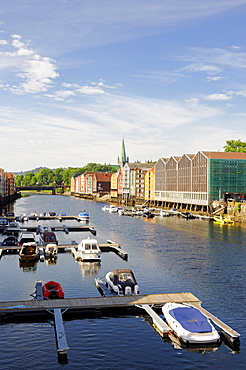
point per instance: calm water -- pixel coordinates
(167, 255)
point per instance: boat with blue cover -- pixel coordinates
(189, 324)
(84, 216)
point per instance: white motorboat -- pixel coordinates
(121, 211)
(84, 216)
(88, 250)
(105, 208)
(189, 324)
(51, 251)
(113, 209)
(164, 214)
(122, 282)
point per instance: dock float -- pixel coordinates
(107, 306)
(228, 333)
(64, 228)
(159, 324)
(61, 340)
(83, 306)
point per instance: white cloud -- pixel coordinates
(242, 93)
(218, 97)
(217, 78)
(3, 42)
(213, 60)
(94, 88)
(210, 69)
(36, 71)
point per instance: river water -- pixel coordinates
(167, 255)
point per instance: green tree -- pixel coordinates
(19, 179)
(235, 146)
(47, 176)
(29, 179)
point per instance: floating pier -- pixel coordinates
(61, 340)
(105, 247)
(108, 305)
(64, 228)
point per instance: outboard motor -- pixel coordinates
(128, 290)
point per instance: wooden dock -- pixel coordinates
(105, 247)
(109, 305)
(90, 304)
(64, 228)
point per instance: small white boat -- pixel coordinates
(51, 251)
(122, 282)
(88, 250)
(164, 214)
(105, 208)
(84, 216)
(113, 209)
(189, 324)
(121, 211)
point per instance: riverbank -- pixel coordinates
(9, 199)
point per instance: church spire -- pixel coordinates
(122, 159)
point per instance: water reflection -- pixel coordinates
(28, 266)
(89, 269)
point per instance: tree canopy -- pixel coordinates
(235, 146)
(47, 177)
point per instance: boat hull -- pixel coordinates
(52, 290)
(189, 324)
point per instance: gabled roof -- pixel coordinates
(103, 176)
(224, 155)
(76, 175)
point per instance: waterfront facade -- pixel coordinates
(201, 179)
(193, 181)
(7, 187)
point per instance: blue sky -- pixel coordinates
(76, 76)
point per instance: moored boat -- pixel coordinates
(113, 209)
(29, 252)
(164, 213)
(52, 290)
(122, 282)
(223, 220)
(47, 237)
(88, 250)
(189, 324)
(51, 251)
(83, 216)
(187, 215)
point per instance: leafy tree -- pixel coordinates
(47, 176)
(19, 179)
(29, 179)
(235, 146)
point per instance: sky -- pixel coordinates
(78, 76)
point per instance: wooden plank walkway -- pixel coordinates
(29, 308)
(105, 247)
(95, 302)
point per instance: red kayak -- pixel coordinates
(52, 290)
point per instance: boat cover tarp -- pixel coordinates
(191, 319)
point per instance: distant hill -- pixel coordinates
(33, 171)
